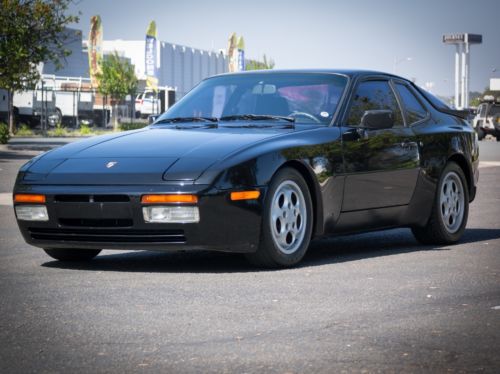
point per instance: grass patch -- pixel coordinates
(4, 133)
(25, 130)
(85, 130)
(59, 131)
(132, 126)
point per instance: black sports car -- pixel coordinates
(259, 163)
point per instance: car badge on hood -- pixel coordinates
(110, 164)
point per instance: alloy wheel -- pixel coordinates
(288, 217)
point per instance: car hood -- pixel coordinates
(149, 156)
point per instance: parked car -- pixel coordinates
(487, 119)
(259, 163)
(147, 103)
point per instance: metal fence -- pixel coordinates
(46, 107)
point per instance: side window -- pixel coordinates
(414, 109)
(373, 95)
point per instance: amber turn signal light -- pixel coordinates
(245, 195)
(169, 199)
(29, 198)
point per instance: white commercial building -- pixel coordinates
(179, 66)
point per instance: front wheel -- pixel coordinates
(63, 254)
(287, 221)
(449, 214)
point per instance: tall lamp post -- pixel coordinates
(397, 61)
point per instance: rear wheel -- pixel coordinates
(450, 211)
(287, 221)
(480, 133)
(63, 254)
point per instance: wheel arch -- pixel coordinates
(461, 161)
(314, 190)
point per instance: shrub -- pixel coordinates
(4, 133)
(25, 130)
(132, 126)
(59, 130)
(85, 129)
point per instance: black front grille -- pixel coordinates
(83, 222)
(108, 235)
(91, 198)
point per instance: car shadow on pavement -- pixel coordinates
(9, 156)
(321, 252)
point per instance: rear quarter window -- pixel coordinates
(414, 110)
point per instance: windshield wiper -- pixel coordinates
(256, 117)
(187, 119)
(205, 126)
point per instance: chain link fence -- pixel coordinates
(71, 105)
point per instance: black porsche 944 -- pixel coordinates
(259, 163)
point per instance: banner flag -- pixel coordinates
(232, 53)
(150, 55)
(95, 49)
(241, 54)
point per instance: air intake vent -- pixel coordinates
(91, 198)
(108, 236)
(96, 222)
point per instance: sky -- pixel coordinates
(360, 34)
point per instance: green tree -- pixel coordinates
(116, 80)
(265, 64)
(31, 32)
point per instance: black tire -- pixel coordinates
(269, 253)
(55, 118)
(435, 231)
(480, 133)
(63, 254)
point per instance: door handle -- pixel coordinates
(406, 143)
(353, 134)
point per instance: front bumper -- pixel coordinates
(111, 217)
(490, 126)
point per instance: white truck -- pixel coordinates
(487, 119)
(149, 102)
(32, 106)
(66, 100)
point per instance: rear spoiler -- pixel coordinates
(464, 113)
(440, 106)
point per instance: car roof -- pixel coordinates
(348, 72)
(352, 74)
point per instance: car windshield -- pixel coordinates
(494, 110)
(305, 98)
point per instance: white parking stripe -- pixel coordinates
(488, 164)
(6, 198)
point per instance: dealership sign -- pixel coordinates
(463, 38)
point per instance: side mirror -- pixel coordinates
(152, 118)
(377, 119)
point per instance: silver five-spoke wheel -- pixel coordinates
(288, 217)
(287, 221)
(452, 202)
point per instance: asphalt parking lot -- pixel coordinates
(376, 302)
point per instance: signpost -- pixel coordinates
(462, 42)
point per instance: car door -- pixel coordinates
(381, 164)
